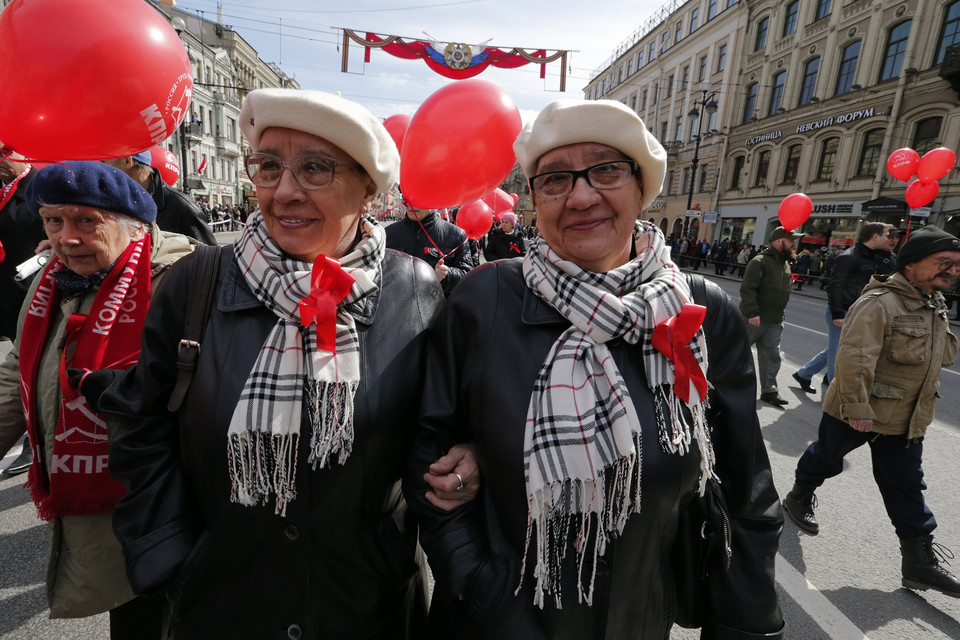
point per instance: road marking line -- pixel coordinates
(800, 326)
(815, 604)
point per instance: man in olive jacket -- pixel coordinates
(764, 293)
(895, 340)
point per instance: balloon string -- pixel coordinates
(443, 255)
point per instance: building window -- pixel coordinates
(663, 41)
(776, 95)
(664, 126)
(712, 10)
(669, 86)
(712, 121)
(809, 85)
(639, 60)
(763, 166)
(653, 50)
(790, 19)
(685, 82)
(685, 185)
(679, 32)
(927, 135)
(694, 16)
(670, 176)
(629, 67)
(823, 9)
(896, 46)
(870, 156)
(737, 173)
(848, 66)
(750, 104)
(761, 42)
(620, 74)
(730, 3)
(702, 72)
(721, 58)
(694, 127)
(828, 159)
(643, 100)
(792, 166)
(950, 34)
(678, 130)
(633, 102)
(703, 177)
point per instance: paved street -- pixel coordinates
(843, 584)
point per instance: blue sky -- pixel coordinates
(304, 40)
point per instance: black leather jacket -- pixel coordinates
(850, 273)
(423, 239)
(177, 212)
(340, 564)
(484, 352)
(21, 231)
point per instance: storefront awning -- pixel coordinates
(194, 183)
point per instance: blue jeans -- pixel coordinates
(826, 358)
(767, 338)
(897, 470)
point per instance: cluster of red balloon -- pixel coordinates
(794, 210)
(905, 163)
(456, 149)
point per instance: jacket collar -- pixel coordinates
(911, 296)
(235, 295)
(536, 311)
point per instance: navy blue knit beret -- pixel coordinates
(93, 184)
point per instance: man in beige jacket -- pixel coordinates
(895, 340)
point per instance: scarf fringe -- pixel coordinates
(260, 464)
(677, 431)
(330, 409)
(554, 510)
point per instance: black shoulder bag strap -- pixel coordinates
(203, 285)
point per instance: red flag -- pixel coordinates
(203, 164)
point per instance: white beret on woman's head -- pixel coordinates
(346, 124)
(608, 122)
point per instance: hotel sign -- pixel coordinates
(817, 124)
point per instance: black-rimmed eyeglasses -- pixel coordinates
(606, 175)
(312, 171)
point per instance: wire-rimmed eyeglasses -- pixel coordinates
(606, 175)
(311, 170)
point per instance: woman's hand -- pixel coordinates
(454, 478)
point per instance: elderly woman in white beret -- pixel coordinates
(593, 438)
(269, 505)
(85, 310)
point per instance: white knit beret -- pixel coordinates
(343, 122)
(608, 122)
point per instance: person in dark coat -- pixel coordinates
(442, 245)
(176, 212)
(571, 536)
(269, 504)
(505, 241)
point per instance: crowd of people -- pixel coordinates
(278, 439)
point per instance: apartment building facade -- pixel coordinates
(817, 96)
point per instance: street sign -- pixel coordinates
(921, 212)
(693, 213)
(709, 217)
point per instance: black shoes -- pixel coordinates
(22, 462)
(921, 566)
(799, 505)
(773, 398)
(804, 383)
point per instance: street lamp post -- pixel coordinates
(706, 103)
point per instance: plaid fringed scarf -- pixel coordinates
(582, 447)
(291, 371)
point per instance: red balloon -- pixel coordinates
(396, 126)
(164, 160)
(475, 218)
(99, 78)
(499, 201)
(902, 163)
(794, 210)
(515, 198)
(920, 193)
(459, 144)
(935, 164)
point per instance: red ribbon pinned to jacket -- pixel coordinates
(329, 284)
(672, 338)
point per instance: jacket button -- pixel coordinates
(294, 632)
(603, 569)
(293, 533)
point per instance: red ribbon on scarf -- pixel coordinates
(672, 338)
(329, 284)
